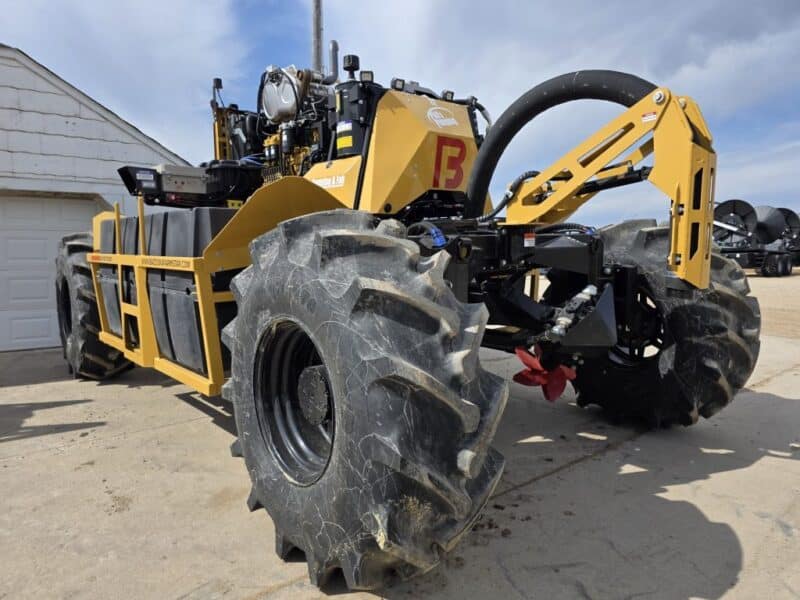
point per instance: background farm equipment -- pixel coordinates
(763, 238)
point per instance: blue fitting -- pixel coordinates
(439, 240)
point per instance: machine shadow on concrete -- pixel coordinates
(13, 418)
(583, 512)
(602, 526)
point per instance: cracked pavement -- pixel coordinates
(127, 489)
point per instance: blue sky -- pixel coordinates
(152, 62)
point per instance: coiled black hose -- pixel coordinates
(611, 86)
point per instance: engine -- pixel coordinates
(305, 118)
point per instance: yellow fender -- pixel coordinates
(270, 204)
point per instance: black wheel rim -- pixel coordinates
(645, 335)
(301, 447)
(64, 310)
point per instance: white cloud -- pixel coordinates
(764, 175)
(733, 60)
(151, 62)
(738, 75)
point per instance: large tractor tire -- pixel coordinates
(771, 266)
(781, 269)
(702, 346)
(78, 320)
(363, 414)
(786, 265)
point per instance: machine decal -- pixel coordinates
(150, 261)
(345, 141)
(441, 117)
(336, 181)
(448, 169)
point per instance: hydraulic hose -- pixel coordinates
(512, 189)
(566, 227)
(611, 86)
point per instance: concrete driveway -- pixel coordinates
(127, 489)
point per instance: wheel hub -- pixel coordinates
(645, 336)
(312, 388)
(293, 402)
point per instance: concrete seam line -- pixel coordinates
(569, 464)
(280, 586)
(769, 379)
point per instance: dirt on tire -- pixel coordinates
(409, 466)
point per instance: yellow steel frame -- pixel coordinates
(147, 353)
(684, 164)
(267, 207)
(222, 149)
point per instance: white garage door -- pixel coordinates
(30, 229)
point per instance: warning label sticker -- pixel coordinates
(528, 240)
(649, 116)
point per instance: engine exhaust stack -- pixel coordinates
(316, 35)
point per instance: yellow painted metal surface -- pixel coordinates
(418, 144)
(269, 205)
(684, 166)
(284, 199)
(146, 352)
(222, 149)
(338, 177)
(685, 170)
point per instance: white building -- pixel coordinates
(59, 155)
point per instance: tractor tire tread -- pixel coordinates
(715, 341)
(403, 498)
(86, 355)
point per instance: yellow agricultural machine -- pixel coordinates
(335, 270)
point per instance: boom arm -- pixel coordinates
(656, 122)
(684, 165)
